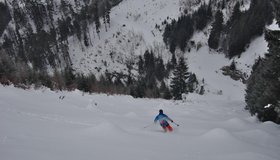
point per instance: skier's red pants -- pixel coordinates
(167, 128)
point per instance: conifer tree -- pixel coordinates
(202, 90)
(69, 76)
(217, 27)
(139, 90)
(160, 69)
(5, 17)
(107, 12)
(179, 80)
(141, 66)
(192, 83)
(166, 34)
(223, 4)
(83, 83)
(209, 10)
(202, 16)
(165, 92)
(86, 39)
(105, 22)
(96, 18)
(150, 69)
(236, 12)
(172, 46)
(173, 60)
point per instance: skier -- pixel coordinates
(163, 120)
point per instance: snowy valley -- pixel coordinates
(39, 123)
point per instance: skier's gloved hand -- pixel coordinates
(172, 121)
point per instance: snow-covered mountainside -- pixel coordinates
(37, 32)
(132, 31)
(67, 36)
(136, 26)
(42, 124)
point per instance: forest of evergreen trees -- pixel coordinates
(244, 26)
(152, 73)
(39, 38)
(263, 86)
(26, 55)
(178, 33)
(231, 37)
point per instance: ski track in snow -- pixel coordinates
(37, 124)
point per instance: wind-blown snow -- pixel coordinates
(42, 124)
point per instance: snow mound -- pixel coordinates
(131, 115)
(218, 135)
(264, 137)
(104, 128)
(236, 123)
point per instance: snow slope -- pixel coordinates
(40, 124)
(132, 31)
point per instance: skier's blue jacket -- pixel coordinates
(162, 118)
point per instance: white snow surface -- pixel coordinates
(39, 124)
(47, 125)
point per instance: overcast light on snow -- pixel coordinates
(53, 125)
(39, 124)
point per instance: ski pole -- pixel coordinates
(176, 124)
(148, 125)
